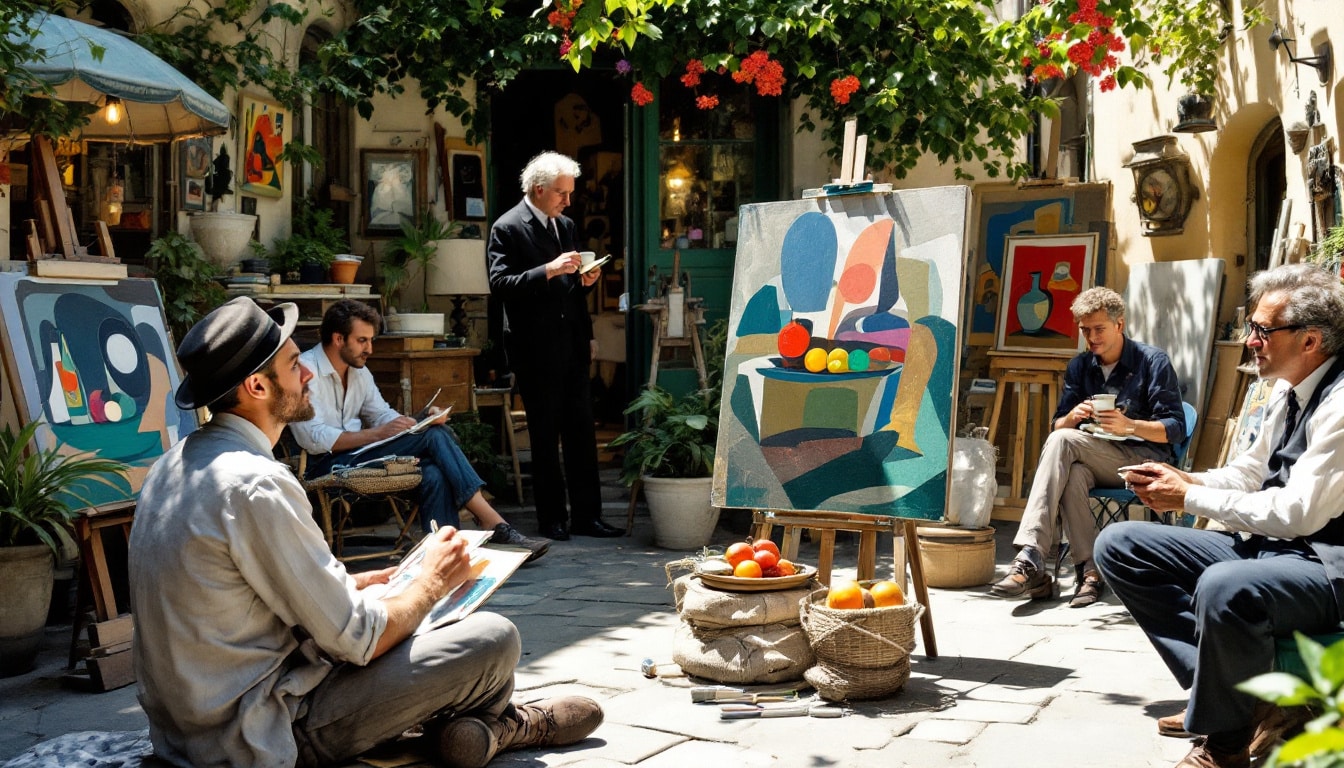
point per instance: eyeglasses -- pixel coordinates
(1258, 331)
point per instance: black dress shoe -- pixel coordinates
(555, 532)
(596, 528)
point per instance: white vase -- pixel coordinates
(682, 516)
(223, 236)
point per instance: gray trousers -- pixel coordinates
(1072, 464)
(1212, 603)
(463, 668)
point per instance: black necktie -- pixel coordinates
(555, 230)
(1285, 452)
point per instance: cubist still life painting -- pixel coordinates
(94, 362)
(842, 354)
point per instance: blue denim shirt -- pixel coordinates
(1143, 382)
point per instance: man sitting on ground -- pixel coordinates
(351, 413)
(1147, 420)
(1212, 602)
(253, 645)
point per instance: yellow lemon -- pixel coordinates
(837, 361)
(815, 360)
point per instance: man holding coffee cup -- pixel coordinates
(1121, 405)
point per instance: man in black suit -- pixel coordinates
(548, 337)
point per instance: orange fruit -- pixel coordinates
(738, 552)
(844, 595)
(761, 544)
(747, 569)
(766, 559)
(786, 568)
(887, 593)
(793, 339)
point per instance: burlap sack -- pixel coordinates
(773, 653)
(712, 608)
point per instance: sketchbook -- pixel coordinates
(419, 426)
(490, 568)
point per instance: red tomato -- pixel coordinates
(765, 544)
(766, 559)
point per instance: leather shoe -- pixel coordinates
(1090, 589)
(1173, 726)
(596, 528)
(1274, 724)
(555, 532)
(1204, 756)
(1024, 579)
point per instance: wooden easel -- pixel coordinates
(58, 252)
(868, 527)
(1020, 371)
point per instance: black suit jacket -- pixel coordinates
(546, 322)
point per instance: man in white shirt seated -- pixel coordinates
(253, 644)
(1212, 602)
(350, 412)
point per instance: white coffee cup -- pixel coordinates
(1102, 403)
(586, 258)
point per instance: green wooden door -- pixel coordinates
(693, 169)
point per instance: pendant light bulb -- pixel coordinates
(113, 112)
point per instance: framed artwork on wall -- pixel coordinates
(394, 188)
(1043, 274)
(264, 125)
(193, 167)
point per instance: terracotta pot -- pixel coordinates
(344, 271)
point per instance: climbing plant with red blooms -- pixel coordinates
(641, 95)
(706, 102)
(844, 87)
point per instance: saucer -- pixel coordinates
(1096, 431)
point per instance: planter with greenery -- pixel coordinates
(311, 247)
(408, 260)
(187, 280)
(1321, 744)
(37, 489)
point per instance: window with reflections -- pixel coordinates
(706, 166)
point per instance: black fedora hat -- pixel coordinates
(228, 345)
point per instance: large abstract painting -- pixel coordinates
(1042, 277)
(94, 362)
(842, 354)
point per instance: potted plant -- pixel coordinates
(408, 259)
(306, 254)
(37, 488)
(671, 451)
(187, 280)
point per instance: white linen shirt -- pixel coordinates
(226, 564)
(338, 408)
(1314, 494)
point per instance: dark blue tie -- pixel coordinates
(1287, 449)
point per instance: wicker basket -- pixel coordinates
(955, 558)
(395, 475)
(866, 638)
(837, 682)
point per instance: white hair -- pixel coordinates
(545, 168)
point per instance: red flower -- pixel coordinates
(565, 45)
(707, 102)
(641, 95)
(1108, 83)
(694, 68)
(766, 74)
(844, 87)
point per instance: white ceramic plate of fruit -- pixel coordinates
(760, 584)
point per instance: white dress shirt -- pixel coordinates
(338, 408)
(1314, 494)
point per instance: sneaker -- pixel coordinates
(1024, 579)
(508, 535)
(553, 722)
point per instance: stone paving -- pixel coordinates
(1016, 684)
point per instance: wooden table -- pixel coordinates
(408, 378)
(1019, 371)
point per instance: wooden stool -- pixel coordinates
(499, 396)
(868, 527)
(1018, 371)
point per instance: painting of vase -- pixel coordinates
(840, 373)
(1043, 274)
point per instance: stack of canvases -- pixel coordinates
(862, 653)
(739, 637)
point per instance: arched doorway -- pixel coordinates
(1266, 183)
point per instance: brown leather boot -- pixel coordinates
(1024, 579)
(548, 723)
(1204, 756)
(470, 742)
(1274, 724)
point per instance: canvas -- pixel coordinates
(394, 189)
(94, 361)
(1174, 305)
(194, 158)
(1042, 277)
(840, 373)
(264, 125)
